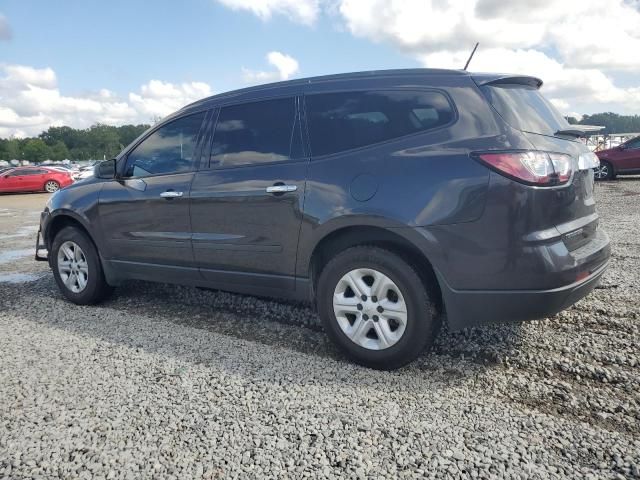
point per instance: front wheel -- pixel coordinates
(604, 171)
(77, 268)
(375, 307)
(51, 186)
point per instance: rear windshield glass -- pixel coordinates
(525, 108)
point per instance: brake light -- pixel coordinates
(533, 167)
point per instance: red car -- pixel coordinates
(621, 160)
(33, 179)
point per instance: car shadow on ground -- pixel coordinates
(289, 326)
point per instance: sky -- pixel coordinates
(80, 62)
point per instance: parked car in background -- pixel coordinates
(85, 172)
(621, 160)
(386, 198)
(34, 179)
(75, 173)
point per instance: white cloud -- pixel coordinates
(303, 11)
(586, 33)
(157, 98)
(564, 85)
(31, 102)
(580, 48)
(5, 29)
(285, 67)
(592, 41)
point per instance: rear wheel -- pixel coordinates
(375, 307)
(51, 186)
(604, 171)
(77, 268)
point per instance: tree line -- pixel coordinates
(612, 122)
(60, 143)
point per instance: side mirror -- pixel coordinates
(106, 169)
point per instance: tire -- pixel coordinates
(375, 343)
(604, 171)
(51, 186)
(88, 287)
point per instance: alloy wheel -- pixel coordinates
(601, 172)
(51, 186)
(73, 267)
(370, 309)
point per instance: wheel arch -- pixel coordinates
(390, 239)
(69, 219)
(62, 220)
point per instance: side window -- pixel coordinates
(169, 149)
(342, 121)
(633, 144)
(254, 133)
(20, 172)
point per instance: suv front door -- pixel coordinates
(144, 213)
(247, 202)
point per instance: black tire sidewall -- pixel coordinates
(95, 283)
(419, 330)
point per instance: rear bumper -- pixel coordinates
(468, 308)
(566, 277)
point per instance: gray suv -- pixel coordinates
(388, 199)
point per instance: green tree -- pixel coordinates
(128, 133)
(10, 149)
(104, 141)
(613, 122)
(59, 151)
(35, 150)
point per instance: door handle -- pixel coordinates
(282, 188)
(170, 194)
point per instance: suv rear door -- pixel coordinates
(144, 213)
(247, 198)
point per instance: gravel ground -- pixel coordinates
(172, 382)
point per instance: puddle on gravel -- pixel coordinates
(17, 277)
(9, 256)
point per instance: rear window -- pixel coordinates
(523, 107)
(342, 121)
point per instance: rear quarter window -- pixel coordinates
(346, 120)
(524, 108)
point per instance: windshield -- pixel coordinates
(523, 107)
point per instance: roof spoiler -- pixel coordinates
(493, 79)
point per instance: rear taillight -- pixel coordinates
(532, 167)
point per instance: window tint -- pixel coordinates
(259, 132)
(22, 172)
(635, 143)
(341, 121)
(169, 149)
(523, 107)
